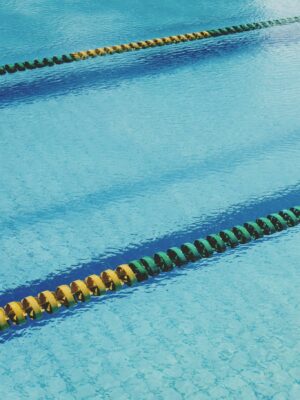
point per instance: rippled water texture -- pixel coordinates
(110, 159)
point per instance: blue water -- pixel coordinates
(110, 159)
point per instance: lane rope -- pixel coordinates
(32, 308)
(134, 46)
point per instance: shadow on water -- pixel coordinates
(73, 80)
(32, 86)
(235, 215)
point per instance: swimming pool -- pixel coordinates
(112, 159)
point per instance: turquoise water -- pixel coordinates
(111, 159)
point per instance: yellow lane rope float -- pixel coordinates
(30, 307)
(134, 46)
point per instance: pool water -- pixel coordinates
(115, 158)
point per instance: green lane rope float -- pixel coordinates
(17, 312)
(134, 46)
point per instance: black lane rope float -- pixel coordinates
(17, 312)
(134, 46)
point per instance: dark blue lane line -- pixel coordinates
(236, 214)
(107, 73)
(122, 190)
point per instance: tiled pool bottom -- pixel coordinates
(225, 329)
(110, 156)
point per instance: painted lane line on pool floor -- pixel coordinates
(134, 46)
(17, 312)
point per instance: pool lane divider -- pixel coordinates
(134, 46)
(32, 308)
